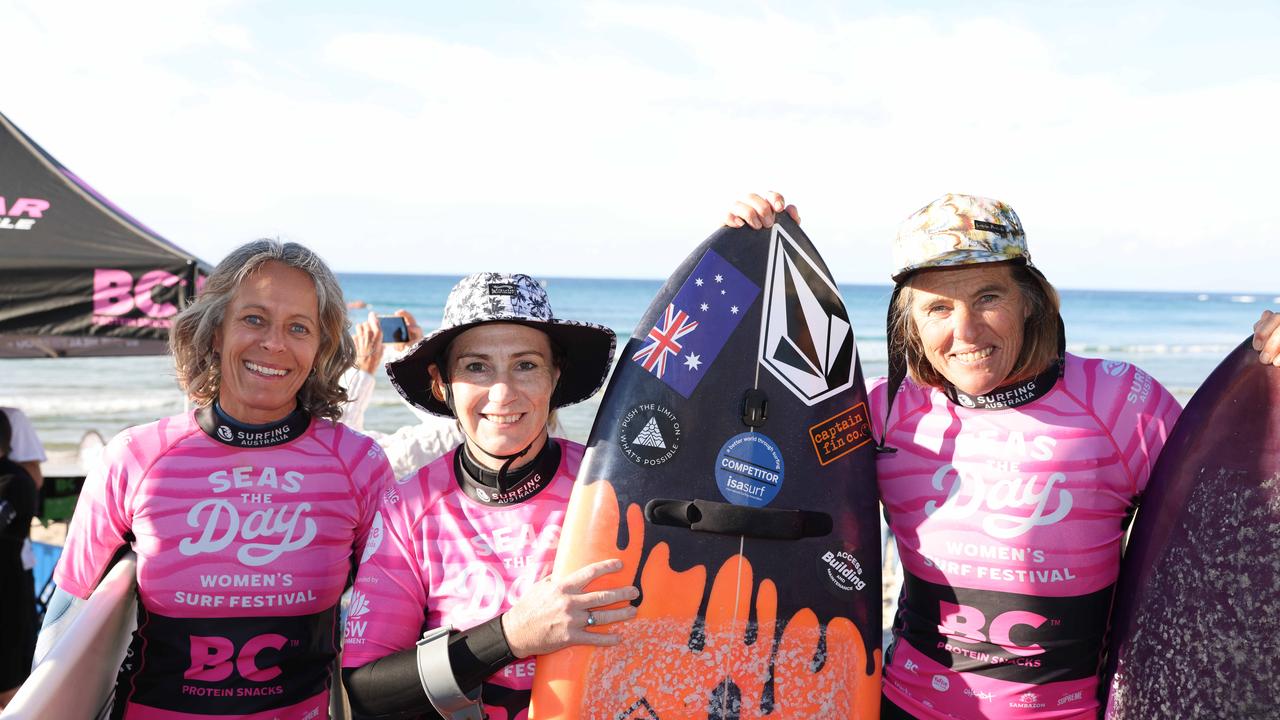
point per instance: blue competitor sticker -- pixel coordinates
(749, 470)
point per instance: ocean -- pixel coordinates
(1177, 337)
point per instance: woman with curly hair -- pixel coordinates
(247, 514)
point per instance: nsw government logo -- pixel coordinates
(649, 434)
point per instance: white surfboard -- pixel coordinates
(75, 679)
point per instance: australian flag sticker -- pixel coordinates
(697, 323)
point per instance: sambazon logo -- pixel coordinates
(969, 492)
(806, 340)
(22, 213)
(1028, 701)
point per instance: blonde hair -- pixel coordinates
(191, 339)
(1040, 335)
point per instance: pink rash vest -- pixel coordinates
(1009, 521)
(449, 557)
(245, 537)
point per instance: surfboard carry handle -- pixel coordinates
(726, 519)
(755, 408)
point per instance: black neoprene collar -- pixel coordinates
(220, 426)
(1012, 395)
(481, 484)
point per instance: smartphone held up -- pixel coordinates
(394, 328)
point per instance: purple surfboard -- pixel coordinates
(1196, 628)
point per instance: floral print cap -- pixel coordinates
(958, 230)
(502, 297)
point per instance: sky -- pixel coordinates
(1137, 141)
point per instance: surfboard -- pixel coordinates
(731, 468)
(1196, 622)
(77, 676)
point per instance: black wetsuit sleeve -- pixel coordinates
(389, 687)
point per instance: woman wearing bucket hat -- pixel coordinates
(1008, 471)
(468, 540)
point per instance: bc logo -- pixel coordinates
(115, 293)
(963, 623)
(212, 658)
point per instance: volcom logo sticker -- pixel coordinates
(806, 340)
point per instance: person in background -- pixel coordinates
(17, 585)
(27, 450)
(1008, 471)
(248, 514)
(411, 446)
(470, 538)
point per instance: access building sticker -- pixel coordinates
(841, 434)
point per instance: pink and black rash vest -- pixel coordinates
(454, 552)
(245, 537)
(1009, 512)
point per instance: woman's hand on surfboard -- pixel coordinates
(759, 211)
(554, 613)
(1266, 338)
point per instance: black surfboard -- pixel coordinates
(731, 467)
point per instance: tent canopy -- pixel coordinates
(78, 275)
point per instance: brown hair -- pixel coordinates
(191, 339)
(1039, 339)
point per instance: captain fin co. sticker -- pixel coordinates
(806, 340)
(749, 470)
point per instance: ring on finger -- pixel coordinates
(591, 618)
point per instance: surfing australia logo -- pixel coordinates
(806, 340)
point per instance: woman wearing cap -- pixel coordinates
(468, 540)
(1009, 469)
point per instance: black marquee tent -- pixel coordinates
(78, 275)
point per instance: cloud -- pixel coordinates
(612, 141)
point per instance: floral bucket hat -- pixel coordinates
(958, 230)
(500, 297)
